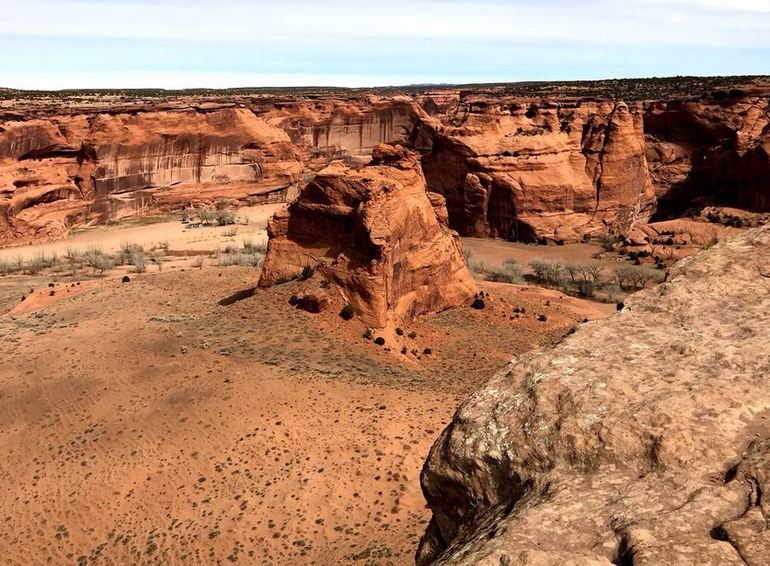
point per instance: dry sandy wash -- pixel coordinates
(144, 422)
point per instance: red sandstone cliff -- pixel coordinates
(61, 167)
(67, 170)
(511, 167)
(523, 171)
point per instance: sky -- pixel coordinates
(54, 44)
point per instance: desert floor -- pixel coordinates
(145, 422)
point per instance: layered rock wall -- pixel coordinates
(525, 171)
(69, 170)
(714, 150)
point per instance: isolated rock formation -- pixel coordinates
(643, 439)
(525, 171)
(377, 236)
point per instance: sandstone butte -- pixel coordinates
(377, 236)
(642, 439)
(518, 167)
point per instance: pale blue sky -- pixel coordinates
(210, 43)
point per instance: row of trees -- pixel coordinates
(583, 278)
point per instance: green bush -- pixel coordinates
(307, 273)
(347, 312)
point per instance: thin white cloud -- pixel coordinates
(612, 22)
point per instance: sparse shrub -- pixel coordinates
(586, 288)
(549, 273)
(325, 284)
(307, 273)
(479, 268)
(635, 277)
(380, 341)
(224, 218)
(5, 268)
(138, 261)
(478, 304)
(248, 260)
(35, 265)
(259, 247)
(427, 352)
(368, 334)
(100, 264)
(399, 332)
(52, 260)
(199, 261)
(511, 273)
(158, 259)
(403, 350)
(412, 334)
(126, 252)
(467, 254)
(347, 312)
(607, 242)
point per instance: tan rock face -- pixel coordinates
(642, 439)
(375, 234)
(523, 171)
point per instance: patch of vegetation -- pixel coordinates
(347, 312)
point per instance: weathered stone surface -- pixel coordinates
(641, 439)
(374, 233)
(339, 128)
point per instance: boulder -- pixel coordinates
(311, 302)
(377, 236)
(641, 439)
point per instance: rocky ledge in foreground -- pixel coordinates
(376, 237)
(643, 439)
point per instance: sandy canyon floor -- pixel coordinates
(145, 422)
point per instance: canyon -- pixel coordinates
(550, 167)
(280, 387)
